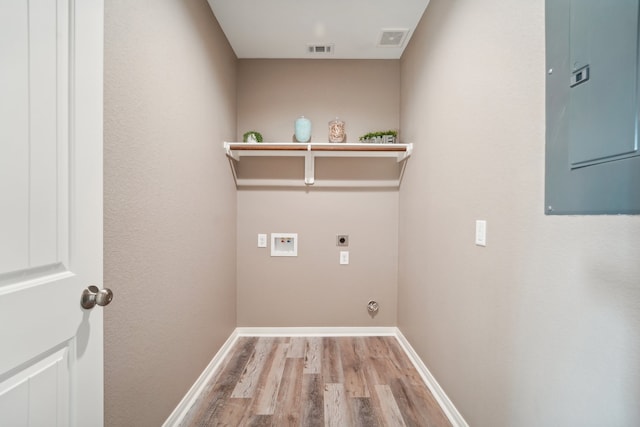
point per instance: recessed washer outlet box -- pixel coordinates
(284, 244)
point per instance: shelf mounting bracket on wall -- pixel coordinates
(309, 167)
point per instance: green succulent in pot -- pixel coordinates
(386, 136)
(252, 136)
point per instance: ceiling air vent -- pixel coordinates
(322, 49)
(393, 37)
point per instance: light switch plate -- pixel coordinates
(262, 240)
(344, 257)
(481, 232)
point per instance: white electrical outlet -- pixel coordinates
(344, 257)
(262, 240)
(481, 232)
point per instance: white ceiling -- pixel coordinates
(284, 28)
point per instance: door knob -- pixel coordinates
(92, 296)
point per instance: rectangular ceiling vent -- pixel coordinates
(393, 37)
(320, 49)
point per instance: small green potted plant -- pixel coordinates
(380, 137)
(252, 136)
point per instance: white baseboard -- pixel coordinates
(194, 392)
(318, 331)
(197, 388)
(443, 400)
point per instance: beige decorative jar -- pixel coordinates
(336, 131)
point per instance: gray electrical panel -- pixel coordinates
(592, 163)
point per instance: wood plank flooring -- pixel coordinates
(316, 381)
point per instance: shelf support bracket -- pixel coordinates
(230, 152)
(406, 154)
(309, 167)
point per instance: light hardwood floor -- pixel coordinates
(316, 381)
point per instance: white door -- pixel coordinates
(51, 370)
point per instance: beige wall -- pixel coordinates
(313, 289)
(541, 327)
(170, 204)
(272, 94)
